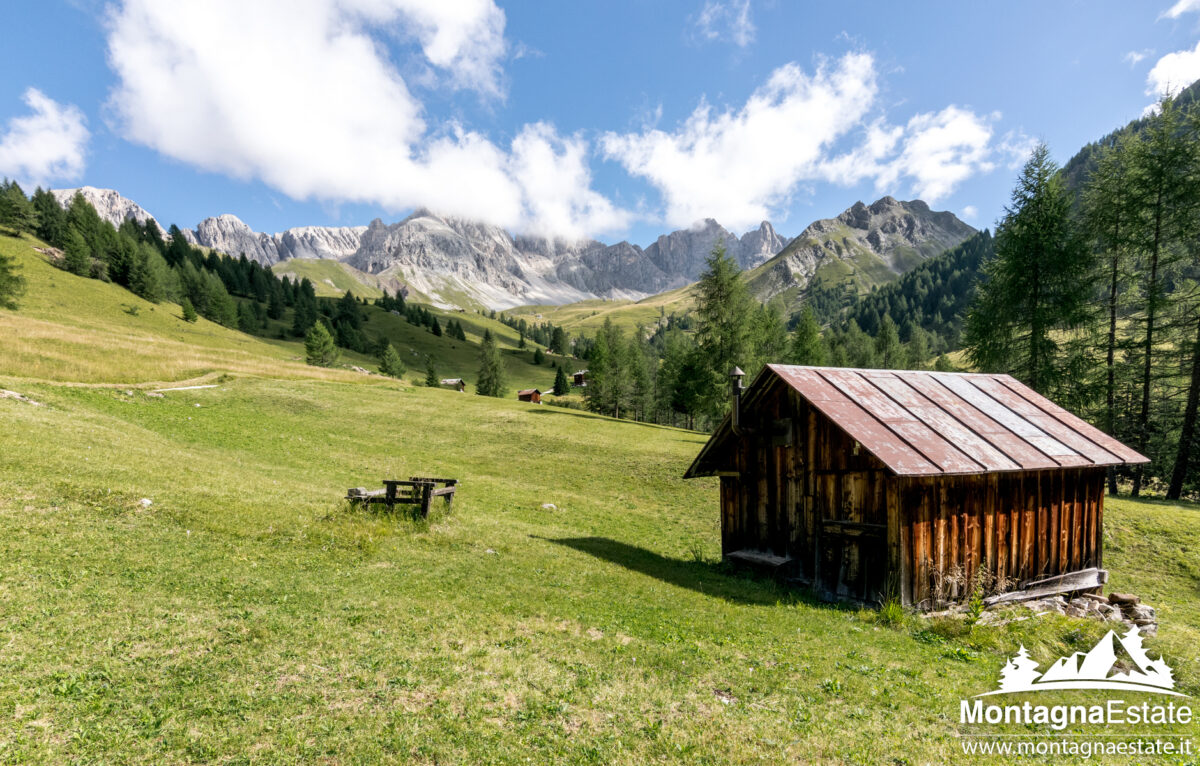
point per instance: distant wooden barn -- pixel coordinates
(869, 484)
(458, 384)
(579, 378)
(530, 395)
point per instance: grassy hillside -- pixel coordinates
(334, 278)
(588, 316)
(74, 329)
(247, 615)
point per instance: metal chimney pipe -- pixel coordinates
(735, 379)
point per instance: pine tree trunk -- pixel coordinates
(1143, 432)
(1035, 331)
(1110, 361)
(1187, 432)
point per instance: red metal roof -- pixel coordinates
(922, 423)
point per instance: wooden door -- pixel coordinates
(851, 551)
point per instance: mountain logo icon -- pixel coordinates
(1099, 668)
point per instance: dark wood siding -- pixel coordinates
(798, 487)
(960, 532)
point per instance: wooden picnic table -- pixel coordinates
(416, 490)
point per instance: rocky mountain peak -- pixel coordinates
(109, 204)
(877, 241)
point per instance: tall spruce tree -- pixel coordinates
(1164, 189)
(77, 256)
(17, 213)
(723, 333)
(1035, 293)
(51, 217)
(889, 354)
(491, 379)
(808, 347)
(390, 363)
(561, 385)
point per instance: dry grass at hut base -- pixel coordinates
(247, 615)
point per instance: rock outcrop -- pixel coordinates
(457, 262)
(229, 234)
(109, 204)
(866, 244)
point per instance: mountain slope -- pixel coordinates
(109, 204)
(459, 263)
(230, 235)
(862, 247)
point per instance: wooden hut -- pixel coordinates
(458, 384)
(530, 395)
(579, 378)
(922, 486)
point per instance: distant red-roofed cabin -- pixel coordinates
(530, 395)
(920, 486)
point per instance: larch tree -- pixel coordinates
(1035, 293)
(1164, 190)
(1107, 215)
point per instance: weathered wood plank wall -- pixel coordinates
(803, 489)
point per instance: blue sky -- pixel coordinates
(614, 119)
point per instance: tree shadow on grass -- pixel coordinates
(719, 580)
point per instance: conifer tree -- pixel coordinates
(561, 385)
(889, 354)
(17, 213)
(1036, 289)
(538, 356)
(51, 218)
(558, 341)
(1107, 213)
(723, 311)
(189, 311)
(319, 348)
(12, 284)
(431, 376)
(1164, 187)
(808, 348)
(491, 378)
(77, 256)
(390, 363)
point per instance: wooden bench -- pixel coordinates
(417, 490)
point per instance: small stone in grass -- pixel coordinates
(549, 507)
(146, 502)
(490, 551)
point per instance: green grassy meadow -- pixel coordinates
(333, 278)
(248, 615)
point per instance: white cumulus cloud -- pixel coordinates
(1133, 58)
(49, 144)
(730, 19)
(1181, 7)
(969, 213)
(303, 96)
(739, 165)
(1174, 72)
